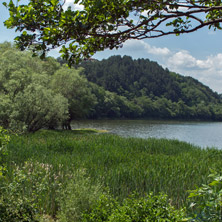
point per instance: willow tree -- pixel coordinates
(26, 100)
(102, 24)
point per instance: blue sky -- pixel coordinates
(197, 54)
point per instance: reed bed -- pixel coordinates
(124, 165)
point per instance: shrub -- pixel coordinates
(26, 196)
(207, 200)
(137, 209)
(12, 210)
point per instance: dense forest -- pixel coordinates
(37, 94)
(142, 77)
(148, 90)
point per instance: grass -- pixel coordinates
(124, 165)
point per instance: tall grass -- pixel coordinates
(124, 165)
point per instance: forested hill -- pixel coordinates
(142, 77)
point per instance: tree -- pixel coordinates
(102, 24)
(26, 102)
(76, 90)
(38, 107)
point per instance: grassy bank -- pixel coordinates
(124, 165)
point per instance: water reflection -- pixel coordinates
(204, 134)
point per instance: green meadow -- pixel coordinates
(41, 166)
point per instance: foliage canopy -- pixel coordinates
(32, 96)
(102, 24)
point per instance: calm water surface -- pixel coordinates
(203, 134)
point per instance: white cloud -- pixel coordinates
(185, 60)
(208, 71)
(139, 45)
(156, 50)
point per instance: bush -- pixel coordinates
(137, 209)
(16, 210)
(26, 195)
(207, 200)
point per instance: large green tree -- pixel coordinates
(38, 107)
(26, 101)
(101, 24)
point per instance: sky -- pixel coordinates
(197, 54)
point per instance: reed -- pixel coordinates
(124, 165)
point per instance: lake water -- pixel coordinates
(203, 134)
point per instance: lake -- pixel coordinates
(203, 134)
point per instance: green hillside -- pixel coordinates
(158, 92)
(142, 77)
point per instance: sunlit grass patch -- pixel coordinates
(89, 130)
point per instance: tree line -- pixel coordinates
(37, 94)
